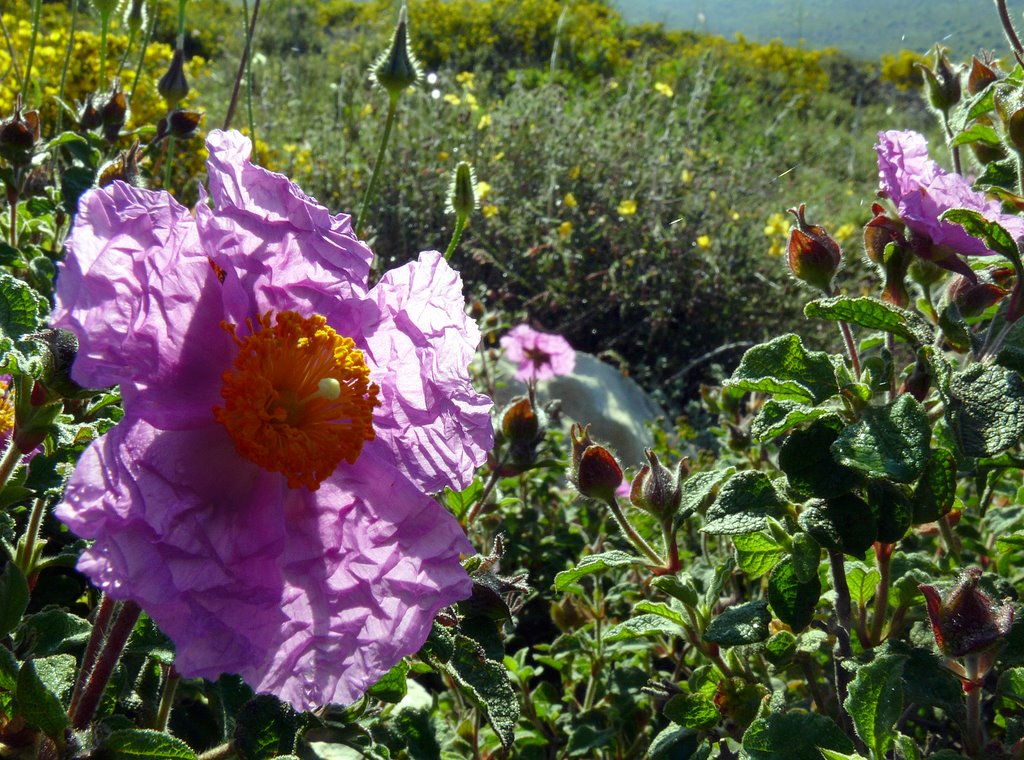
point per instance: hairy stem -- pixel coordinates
(243, 64)
(1009, 31)
(634, 538)
(27, 545)
(460, 225)
(92, 648)
(9, 462)
(120, 629)
(378, 163)
(67, 62)
(883, 555)
(843, 649)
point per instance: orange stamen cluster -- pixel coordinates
(6, 409)
(298, 399)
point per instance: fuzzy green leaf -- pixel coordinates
(795, 735)
(872, 314)
(984, 407)
(889, 441)
(792, 601)
(392, 686)
(38, 705)
(936, 490)
(743, 624)
(777, 417)
(594, 563)
(642, 625)
(487, 684)
(662, 610)
(786, 369)
(742, 504)
(875, 701)
(862, 581)
(144, 744)
(13, 598)
(809, 463)
(266, 728)
(756, 553)
(692, 711)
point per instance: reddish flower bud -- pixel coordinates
(981, 76)
(972, 298)
(814, 257)
(655, 488)
(595, 473)
(19, 135)
(173, 86)
(114, 113)
(965, 620)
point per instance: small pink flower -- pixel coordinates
(539, 356)
(922, 191)
(265, 498)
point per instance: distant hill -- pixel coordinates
(862, 28)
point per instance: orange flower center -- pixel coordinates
(298, 399)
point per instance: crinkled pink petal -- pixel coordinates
(311, 596)
(137, 290)
(922, 191)
(287, 249)
(432, 424)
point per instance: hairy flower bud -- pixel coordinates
(88, 116)
(942, 82)
(598, 475)
(397, 68)
(462, 191)
(173, 86)
(973, 298)
(981, 76)
(19, 135)
(814, 257)
(519, 422)
(114, 113)
(181, 125)
(135, 15)
(885, 246)
(125, 167)
(655, 488)
(966, 620)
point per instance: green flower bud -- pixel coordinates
(462, 191)
(135, 16)
(397, 68)
(942, 81)
(105, 7)
(655, 488)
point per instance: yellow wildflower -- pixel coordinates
(452, 100)
(465, 78)
(627, 207)
(366, 110)
(574, 172)
(489, 210)
(498, 156)
(664, 89)
(6, 409)
(564, 229)
(485, 121)
(713, 195)
(443, 155)
(569, 200)
(470, 99)
(483, 189)
(686, 176)
(844, 232)
(703, 242)
(734, 215)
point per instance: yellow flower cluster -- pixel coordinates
(901, 69)
(776, 229)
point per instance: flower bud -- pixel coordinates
(597, 475)
(942, 82)
(173, 86)
(519, 422)
(981, 76)
(965, 620)
(135, 15)
(918, 381)
(105, 7)
(181, 125)
(19, 135)
(88, 116)
(462, 191)
(973, 298)
(814, 257)
(114, 113)
(655, 488)
(397, 68)
(125, 168)
(879, 234)
(1009, 104)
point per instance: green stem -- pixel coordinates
(843, 649)
(120, 630)
(142, 55)
(492, 481)
(883, 555)
(168, 162)
(36, 5)
(954, 150)
(242, 65)
(248, 91)
(851, 348)
(671, 546)
(9, 462)
(598, 658)
(67, 62)
(167, 699)
(12, 200)
(127, 50)
(460, 225)
(27, 546)
(634, 538)
(378, 163)
(948, 539)
(974, 730)
(11, 52)
(104, 26)
(180, 40)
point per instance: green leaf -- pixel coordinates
(863, 581)
(809, 464)
(776, 417)
(872, 314)
(148, 640)
(673, 743)
(976, 133)
(892, 507)
(692, 711)
(678, 588)
(743, 624)
(997, 174)
(662, 610)
(889, 441)
(990, 233)
(984, 406)
(13, 598)
(875, 701)
(806, 556)
(756, 553)
(1011, 686)
(792, 601)
(486, 682)
(9, 666)
(266, 727)
(785, 368)
(57, 673)
(831, 754)
(144, 744)
(698, 490)
(38, 705)
(594, 563)
(742, 504)
(458, 502)
(845, 524)
(935, 492)
(392, 685)
(780, 648)
(642, 625)
(794, 735)
(21, 308)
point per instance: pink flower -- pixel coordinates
(922, 191)
(264, 499)
(540, 356)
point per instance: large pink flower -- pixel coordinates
(538, 355)
(264, 498)
(922, 191)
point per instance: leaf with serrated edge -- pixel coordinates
(743, 624)
(594, 563)
(872, 314)
(889, 441)
(785, 368)
(875, 701)
(776, 417)
(756, 553)
(144, 744)
(487, 684)
(794, 735)
(642, 625)
(742, 505)
(38, 705)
